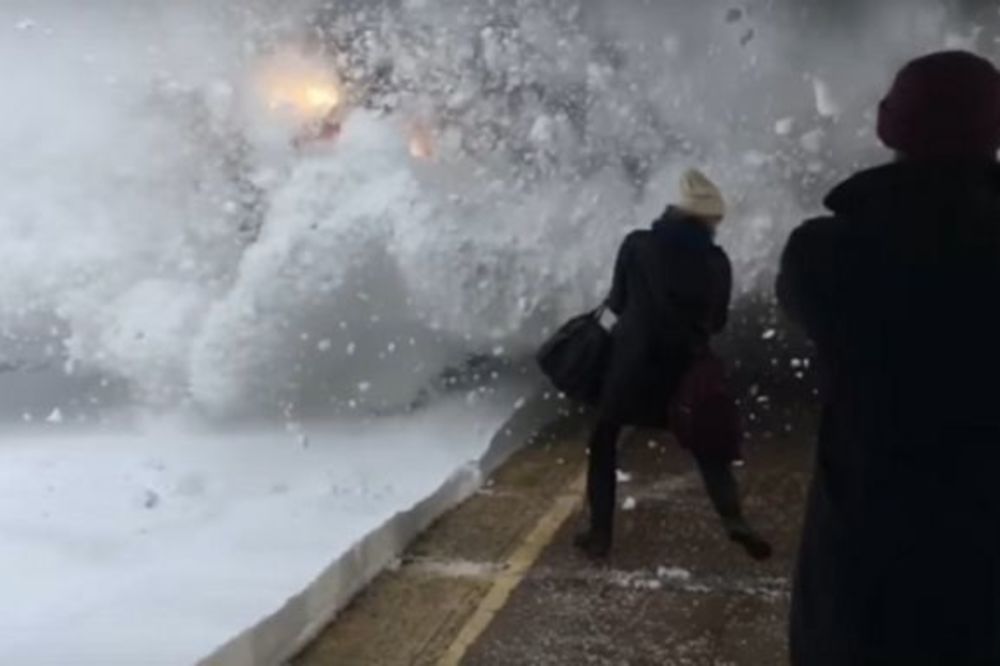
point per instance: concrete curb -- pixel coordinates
(278, 638)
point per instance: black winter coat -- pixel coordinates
(900, 290)
(671, 292)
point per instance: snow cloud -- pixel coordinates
(159, 227)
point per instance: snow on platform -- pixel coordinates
(175, 545)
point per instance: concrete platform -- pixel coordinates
(676, 591)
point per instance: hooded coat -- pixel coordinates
(899, 289)
(671, 292)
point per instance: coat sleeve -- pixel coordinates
(803, 279)
(619, 294)
(722, 293)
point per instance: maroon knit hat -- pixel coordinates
(945, 105)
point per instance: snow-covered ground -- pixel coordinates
(160, 543)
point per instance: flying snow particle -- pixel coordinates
(623, 477)
(542, 132)
(826, 105)
(324, 345)
(756, 159)
(813, 141)
(969, 42)
(769, 334)
(55, 417)
(629, 504)
(784, 126)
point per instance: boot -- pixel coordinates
(755, 545)
(595, 544)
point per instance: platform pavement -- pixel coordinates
(675, 592)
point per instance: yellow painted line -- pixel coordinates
(515, 569)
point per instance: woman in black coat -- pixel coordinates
(671, 293)
(900, 558)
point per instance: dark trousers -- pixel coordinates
(602, 481)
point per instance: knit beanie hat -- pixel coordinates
(944, 105)
(700, 196)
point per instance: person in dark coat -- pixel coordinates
(671, 293)
(898, 288)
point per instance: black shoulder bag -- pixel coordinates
(575, 359)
